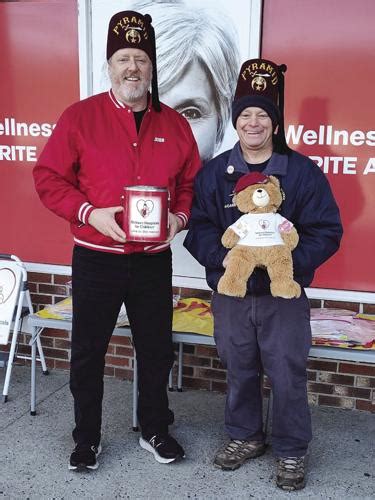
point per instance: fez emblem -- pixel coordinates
(132, 36)
(259, 83)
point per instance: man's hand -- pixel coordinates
(103, 220)
(175, 225)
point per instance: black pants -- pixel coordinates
(101, 283)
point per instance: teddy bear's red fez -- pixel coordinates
(250, 179)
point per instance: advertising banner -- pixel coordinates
(329, 103)
(329, 94)
(39, 78)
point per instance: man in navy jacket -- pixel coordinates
(260, 332)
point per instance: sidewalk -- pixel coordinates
(34, 451)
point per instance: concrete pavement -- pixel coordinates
(34, 451)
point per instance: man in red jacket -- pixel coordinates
(124, 137)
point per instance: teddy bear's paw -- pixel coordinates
(285, 289)
(230, 288)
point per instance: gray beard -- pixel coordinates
(134, 95)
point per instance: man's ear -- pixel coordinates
(276, 129)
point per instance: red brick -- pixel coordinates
(333, 304)
(41, 299)
(48, 342)
(111, 349)
(124, 351)
(62, 365)
(52, 289)
(194, 383)
(52, 332)
(335, 378)
(58, 298)
(203, 350)
(369, 308)
(352, 392)
(39, 277)
(188, 348)
(315, 303)
(113, 360)
(188, 371)
(359, 369)
(118, 339)
(124, 374)
(55, 353)
(210, 373)
(319, 388)
(336, 401)
(33, 287)
(219, 386)
(194, 293)
(62, 344)
(216, 363)
(360, 404)
(109, 370)
(311, 375)
(317, 364)
(61, 280)
(51, 363)
(25, 350)
(188, 359)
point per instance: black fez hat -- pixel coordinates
(261, 84)
(131, 30)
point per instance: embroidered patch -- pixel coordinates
(159, 139)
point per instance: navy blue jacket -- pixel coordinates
(308, 203)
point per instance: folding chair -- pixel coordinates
(15, 303)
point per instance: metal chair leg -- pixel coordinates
(179, 373)
(135, 394)
(33, 371)
(170, 381)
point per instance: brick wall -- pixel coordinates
(330, 382)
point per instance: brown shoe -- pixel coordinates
(290, 473)
(236, 452)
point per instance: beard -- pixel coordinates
(131, 94)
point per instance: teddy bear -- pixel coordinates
(260, 238)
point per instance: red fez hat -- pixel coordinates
(261, 84)
(250, 179)
(131, 30)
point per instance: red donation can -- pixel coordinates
(146, 213)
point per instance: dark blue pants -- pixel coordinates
(272, 334)
(101, 283)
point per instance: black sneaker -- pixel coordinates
(84, 457)
(164, 448)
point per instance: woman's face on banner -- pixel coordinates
(193, 98)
